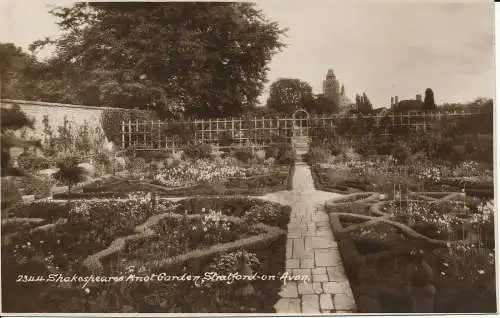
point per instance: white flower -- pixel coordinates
(481, 272)
(87, 291)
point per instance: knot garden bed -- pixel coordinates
(191, 237)
(378, 240)
(193, 181)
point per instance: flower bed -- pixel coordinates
(257, 180)
(443, 219)
(84, 228)
(20, 226)
(92, 225)
(378, 258)
(355, 175)
(333, 180)
(177, 236)
(211, 229)
(353, 203)
(191, 173)
(252, 210)
(47, 210)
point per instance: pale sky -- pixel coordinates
(383, 48)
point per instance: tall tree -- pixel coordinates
(11, 120)
(19, 72)
(323, 104)
(363, 104)
(429, 103)
(288, 94)
(196, 59)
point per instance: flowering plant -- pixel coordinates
(202, 170)
(90, 227)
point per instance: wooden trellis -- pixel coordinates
(266, 131)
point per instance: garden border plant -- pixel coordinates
(354, 261)
(94, 262)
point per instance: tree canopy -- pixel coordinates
(363, 104)
(288, 94)
(324, 105)
(19, 72)
(195, 59)
(429, 103)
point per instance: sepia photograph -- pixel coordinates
(269, 157)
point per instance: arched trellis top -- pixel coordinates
(300, 113)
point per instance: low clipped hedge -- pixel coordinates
(352, 203)
(89, 195)
(268, 181)
(269, 247)
(321, 182)
(255, 185)
(268, 213)
(47, 210)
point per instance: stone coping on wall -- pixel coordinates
(47, 104)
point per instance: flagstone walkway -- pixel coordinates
(312, 251)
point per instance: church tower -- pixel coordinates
(331, 86)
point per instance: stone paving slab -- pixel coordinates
(311, 250)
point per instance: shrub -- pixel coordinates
(111, 120)
(351, 155)
(10, 193)
(226, 139)
(272, 214)
(89, 195)
(401, 152)
(268, 214)
(384, 148)
(138, 164)
(244, 154)
(39, 187)
(197, 151)
(69, 172)
(103, 159)
(286, 155)
(335, 149)
(317, 155)
(272, 152)
(177, 156)
(260, 155)
(44, 210)
(30, 162)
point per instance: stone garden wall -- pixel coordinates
(75, 114)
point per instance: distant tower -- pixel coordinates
(331, 87)
(342, 90)
(419, 97)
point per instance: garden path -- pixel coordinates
(311, 251)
